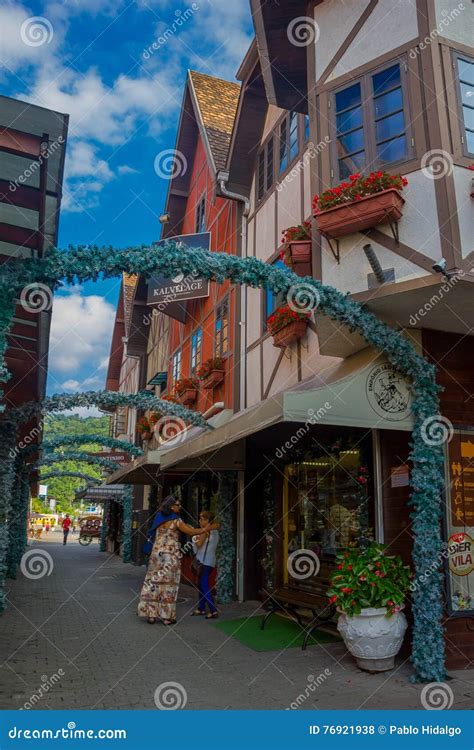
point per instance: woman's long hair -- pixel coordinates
(167, 504)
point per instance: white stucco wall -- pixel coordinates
(455, 20)
(462, 184)
(265, 237)
(391, 24)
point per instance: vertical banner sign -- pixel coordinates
(461, 523)
(172, 295)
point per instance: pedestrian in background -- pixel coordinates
(66, 527)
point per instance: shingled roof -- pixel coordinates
(217, 101)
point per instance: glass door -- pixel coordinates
(327, 510)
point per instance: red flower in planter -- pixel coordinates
(298, 233)
(185, 384)
(282, 317)
(213, 363)
(357, 188)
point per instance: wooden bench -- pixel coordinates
(292, 600)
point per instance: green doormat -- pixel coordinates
(279, 633)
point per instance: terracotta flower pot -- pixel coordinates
(370, 211)
(188, 396)
(301, 256)
(213, 379)
(290, 333)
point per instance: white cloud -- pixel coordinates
(81, 332)
(20, 34)
(125, 169)
(70, 385)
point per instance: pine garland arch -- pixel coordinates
(79, 456)
(82, 264)
(50, 444)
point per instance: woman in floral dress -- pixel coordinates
(160, 588)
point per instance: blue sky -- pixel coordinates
(94, 59)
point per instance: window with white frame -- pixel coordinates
(196, 350)
(221, 345)
(176, 366)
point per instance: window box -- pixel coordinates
(186, 390)
(145, 435)
(287, 325)
(211, 373)
(370, 211)
(290, 333)
(301, 255)
(214, 378)
(296, 251)
(187, 397)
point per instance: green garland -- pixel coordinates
(76, 474)
(105, 526)
(226, 548)
(127, 504)
(106, 400)
(81, 456)
(269, 507)
(90, 263)
(51, 444)
(7, 479)
(17, 518)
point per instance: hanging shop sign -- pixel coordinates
(460, 523)
(117, 457)
(171, 295)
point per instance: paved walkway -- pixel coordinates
(75, 632)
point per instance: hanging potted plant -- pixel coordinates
(186, 390)
(369, 587)
(296, 252)
(211, 373)
(145, 428)
(361, 203)
(287, 325)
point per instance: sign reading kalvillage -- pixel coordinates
(164, 292)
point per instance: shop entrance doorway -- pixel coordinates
(328, 507)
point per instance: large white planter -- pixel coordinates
(373, 638)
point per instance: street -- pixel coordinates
(75, 632)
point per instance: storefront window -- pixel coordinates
(327, 505)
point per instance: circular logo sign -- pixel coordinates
(388, 394)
